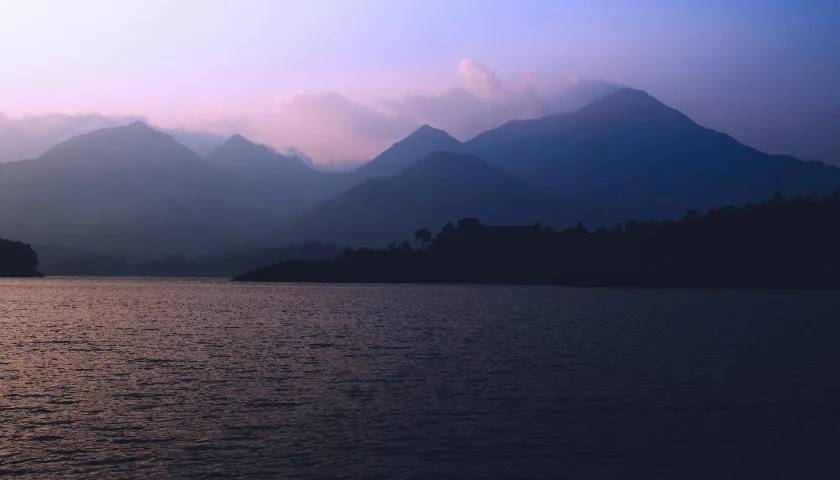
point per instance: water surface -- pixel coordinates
(128, 378)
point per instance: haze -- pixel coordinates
(342, 80)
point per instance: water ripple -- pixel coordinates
(156, 378)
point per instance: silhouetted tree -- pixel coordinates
(691, 216)
(424, 236)
(469, 224)
(17, 259)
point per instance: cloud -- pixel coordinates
(329, 127)
(479, 80)
(334, 129)
(484, 102)
(332, 113)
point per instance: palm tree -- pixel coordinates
(424, 235)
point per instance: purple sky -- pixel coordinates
(342, 80)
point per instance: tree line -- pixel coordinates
(17, 259)
(781, 242)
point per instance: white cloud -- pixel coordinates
(480, 80)
(329, 127)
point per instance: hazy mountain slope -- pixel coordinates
(240, 156)
(406, 152)
(439, 188)
(202, 143)
(285, 182)
(628, 155)
(29, 137)
(127, 188)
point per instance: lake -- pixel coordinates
(167, 378)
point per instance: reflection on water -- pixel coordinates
(166, 378)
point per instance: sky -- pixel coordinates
(341, 80)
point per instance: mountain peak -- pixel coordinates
(631, 96)
(427, 132)
(238, 139)
(259, 160)
(138, 125)
(630, 104)
(133, 141)
(631, 93)
(238, 145)
(135, 145)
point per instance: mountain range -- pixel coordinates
(133, 189)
